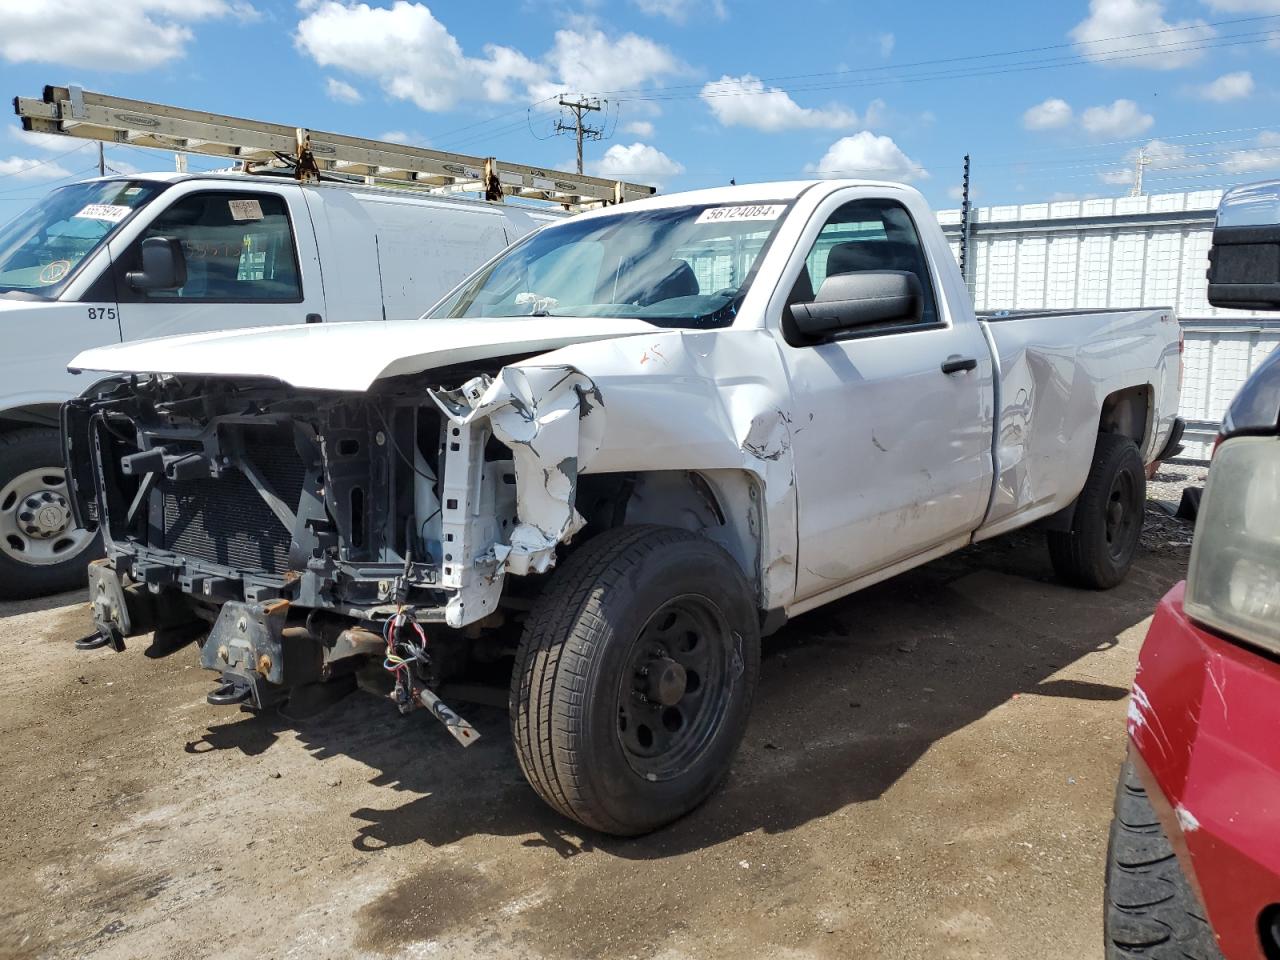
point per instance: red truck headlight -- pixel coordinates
(1233, 583)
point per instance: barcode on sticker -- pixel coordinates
(111, 212)
(245, 209)
(760, 211)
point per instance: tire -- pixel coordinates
(1150, 908)
(1107, 523)
(630, 600)
(31, 474)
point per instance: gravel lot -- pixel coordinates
(928, 773)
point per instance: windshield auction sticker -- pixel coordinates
(111, 212)
(765, 211)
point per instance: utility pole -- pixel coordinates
(582, 132)
(966, 224)
(102, 161)
(1138, 166)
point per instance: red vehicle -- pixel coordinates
(1194, 860)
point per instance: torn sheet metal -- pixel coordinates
(552, 419)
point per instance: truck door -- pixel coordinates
(894, 454)
(250, 261)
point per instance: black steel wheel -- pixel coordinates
(674, 694)
(1099, 548)
(634, 678)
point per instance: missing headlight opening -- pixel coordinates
(315, 533)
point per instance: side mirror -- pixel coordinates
(164, 266)
(867, 297)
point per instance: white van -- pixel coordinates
(152, 255)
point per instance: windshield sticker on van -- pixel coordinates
(245, 209)
(111, 212)
(54, 271)
(765, 211)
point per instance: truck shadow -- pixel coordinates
(850, 698)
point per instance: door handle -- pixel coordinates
(314, 318)
(958, 364)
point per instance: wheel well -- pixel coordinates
(722, 505)
(33, 415)
(1128, 413)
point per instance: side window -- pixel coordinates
(867, 235)
(238, 246)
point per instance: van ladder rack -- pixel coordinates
(73, 112)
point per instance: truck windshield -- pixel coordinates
(41, 248)
(673, 267)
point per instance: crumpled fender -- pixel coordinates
(552, 418)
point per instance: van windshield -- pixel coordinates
(41, 248)
(672, 267)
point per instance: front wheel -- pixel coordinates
(41, 549)
(1150, 908)
(1100, 546)
(634, 678)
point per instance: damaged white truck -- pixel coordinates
(613, 459)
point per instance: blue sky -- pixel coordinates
(1050, 99)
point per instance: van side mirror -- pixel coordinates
(164, 265)
(1244, 261)
(847, 301)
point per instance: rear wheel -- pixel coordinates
(1150, 908)
(1100, 546)
(41, 549)
(634, 678)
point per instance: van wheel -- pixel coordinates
(634, 678)
(41, 549)
(1150, 908)
(1099, 548)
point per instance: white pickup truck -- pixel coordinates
(612, 459)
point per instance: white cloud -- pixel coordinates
(678, 11)
(1161, 155)
(408, 137)
(1245, 6)
(745, 102)
(54, 142)
(1229, 86)
(341, 91)
(887, 42)
(129, 35)
(1122, 118)
(414, 57)
(641, 128)
(1048, 115)
(866, 155)
(1137, 33)
(1266, 156)
(637, 162)
(24, 168)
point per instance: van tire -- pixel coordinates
(1150, 909)
(1098, 549)
(607, 731)
(23, 452)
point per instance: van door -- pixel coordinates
(250, 261)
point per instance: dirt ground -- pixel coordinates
(928, 773)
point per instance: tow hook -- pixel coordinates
(108, 635)
(229, 694)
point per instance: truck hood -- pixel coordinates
(349, 356)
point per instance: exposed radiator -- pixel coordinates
(225, 520)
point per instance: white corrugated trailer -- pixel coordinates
(1122, 252)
